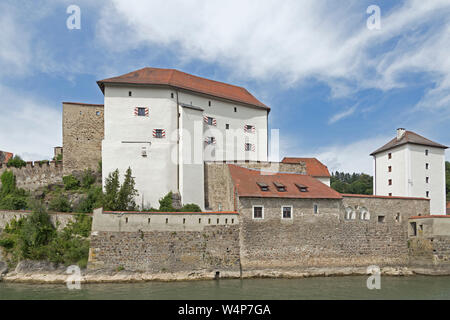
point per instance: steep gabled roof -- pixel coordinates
(182, 80)
(314, 167)
(408, 137)
(248, 181)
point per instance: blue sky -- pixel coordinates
(337, 89)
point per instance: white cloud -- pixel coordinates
(29, 126)
(342, 115)
(293, 40)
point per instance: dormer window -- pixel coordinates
(280, 187)
(301, 187)
(263, 186)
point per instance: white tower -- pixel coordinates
(411, 166)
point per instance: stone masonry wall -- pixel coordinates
(83, 131)
(326, 239)
(36, 175)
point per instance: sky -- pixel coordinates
(337, 87)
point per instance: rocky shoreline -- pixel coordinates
(47, 273)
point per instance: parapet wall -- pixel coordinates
(37, 174)
(165, 242)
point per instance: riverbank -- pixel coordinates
(40, 275)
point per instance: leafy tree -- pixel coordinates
(191, 207)
(352, 183)
(12, 198)
(16, 162)
(93, 200)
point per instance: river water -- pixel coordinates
(414, 287)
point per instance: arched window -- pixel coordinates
(349, 214)
(364, 214)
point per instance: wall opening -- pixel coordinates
(381, 219)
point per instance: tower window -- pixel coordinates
(171, 95)
(426, 152)
(130, 93)
(316, 208)
(390, 169)
(249, 147)
(390, 182)
(390, 156)
(427, 179)
(428, 194)
(227, 126)
(159, 133)
(258, 212)
(235, 109)
(209, 103)
(427, 166)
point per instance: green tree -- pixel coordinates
(356, 183)
(88, 179)
(71, 183)
(112, 186)
(16, 162)
(127, 193)
(8, 182)
(165, 203)
(60, 203)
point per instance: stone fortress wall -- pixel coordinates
(192, 243)
(37, 174)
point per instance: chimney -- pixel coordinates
(400, 133)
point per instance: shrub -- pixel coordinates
(191, 207)
(165, 203)
(16, 162)
(71, 183)
(15, 201)
(35, 238)
(93, 200)
(88, 179)
(59, 157)
(8, 182)
(112, 186)
(60, 204)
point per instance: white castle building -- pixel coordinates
(164, 124)
(411, 166)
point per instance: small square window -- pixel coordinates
(97, 113)
(235, 109)
(141, 112)
(390, 194)
(171, 95)
(249, 147)
(227, 126)
(286, 212)
(258, 212)
(390, 156)
(210, 140)
(130, 93)
(381, 219)
(159, 133)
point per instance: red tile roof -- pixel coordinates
(5, 156)
(408, 137)
(314, 167)
(181, 80)
(347, 195)
(246, 184)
